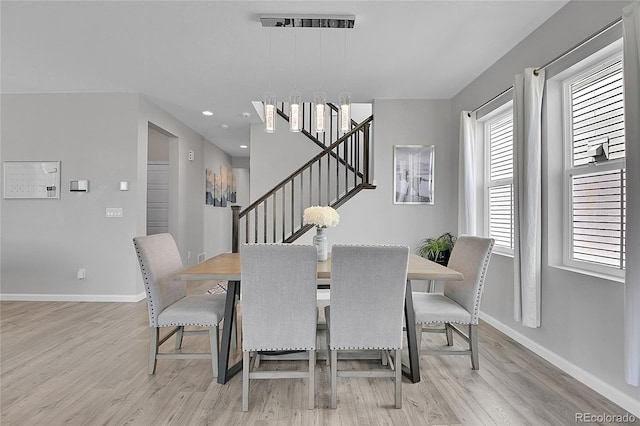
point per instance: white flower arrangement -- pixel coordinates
(321, 217)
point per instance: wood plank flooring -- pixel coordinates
(86, 364)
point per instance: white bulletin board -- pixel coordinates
(32, 179)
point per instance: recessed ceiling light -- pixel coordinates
(224, 126)
(244, 146)
(246, 114)
(207, 113)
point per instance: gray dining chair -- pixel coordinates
(169, 305)
(366, 309)
(279, 311)
(460, 301)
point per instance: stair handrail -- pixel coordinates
(364, 124)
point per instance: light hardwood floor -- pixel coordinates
(86, 364)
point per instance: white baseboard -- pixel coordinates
(72, 297)
(623, 400)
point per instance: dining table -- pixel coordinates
(227, 266)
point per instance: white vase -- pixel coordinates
(320, 241)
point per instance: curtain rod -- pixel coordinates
(556, 59)
(490, 100)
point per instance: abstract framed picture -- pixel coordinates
(413, 177)
(209, 182)
(224, 186)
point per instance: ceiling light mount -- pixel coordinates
(308, 21)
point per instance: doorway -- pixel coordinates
(160, 173)
(157, 197)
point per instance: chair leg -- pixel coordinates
(238, 324)
(397, 361)
(155, 335)
(328, 339)
(334, 378)
(213, 342)
(312, 379)
(179, 335)
(256, 360)
(473, 345)
(245, 380)
(449, 333)
(383, 357)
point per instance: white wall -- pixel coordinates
(582, 316)
(241, 171)
(101, 138)
(274, 156)
(44, 242)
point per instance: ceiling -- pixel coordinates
(190, 56)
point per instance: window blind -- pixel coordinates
(598, 216)
(598, 197)
(597, 110)
(500, 187)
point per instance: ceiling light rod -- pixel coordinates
(308, 21)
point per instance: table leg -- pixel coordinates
(224, 371)
(413, 370)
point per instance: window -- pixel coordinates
(594, 169)
(498, 139)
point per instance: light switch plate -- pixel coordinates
(114, 212)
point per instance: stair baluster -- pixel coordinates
(345, 159)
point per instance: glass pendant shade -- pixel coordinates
(295, 111)
(269, 112)
(319, 110)
(345, 111)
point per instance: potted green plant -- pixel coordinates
(437, 249)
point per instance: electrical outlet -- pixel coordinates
(82, 273)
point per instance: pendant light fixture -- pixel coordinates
(295, 98)
(319, 108)
(269, 112)
(269, 101)
(344, 121)
(319, 98)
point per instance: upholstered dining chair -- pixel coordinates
(460, 302)
(279, 311)
(366, 308)
(168, 303)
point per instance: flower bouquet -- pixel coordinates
(321, 218)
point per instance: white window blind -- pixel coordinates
(499, 134)
(597, 184)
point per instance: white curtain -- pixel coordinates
(527, 182)
(631, 24)
(467, 175)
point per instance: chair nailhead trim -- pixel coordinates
(360, 348)
(185, 324)
(244, 349)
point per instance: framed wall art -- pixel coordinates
(413, 175)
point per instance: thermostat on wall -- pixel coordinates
(79, 185)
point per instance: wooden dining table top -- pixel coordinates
(226, 266)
